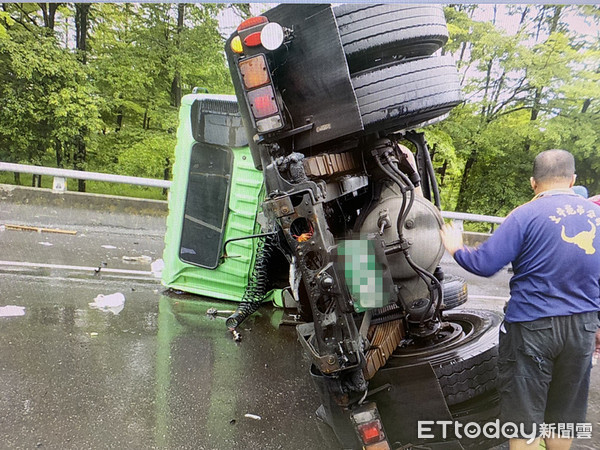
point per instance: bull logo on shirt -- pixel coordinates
(584, 240)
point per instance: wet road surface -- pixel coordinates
(160, 373)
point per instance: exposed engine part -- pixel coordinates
(322, 166)
(258, 284)
(420, 231)
(346, 185)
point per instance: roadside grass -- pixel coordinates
(95, 187)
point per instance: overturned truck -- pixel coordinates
(331, 98)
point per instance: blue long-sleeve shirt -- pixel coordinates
(554, 247)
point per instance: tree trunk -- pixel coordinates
(167, 173)
(59, 154)
(79, 157)
(119, 119)
(586, 105)
(462, 205)
(176, 92)
(81, 29)
(49, 13)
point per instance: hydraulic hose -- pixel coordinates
(429, 279)
(258, 284)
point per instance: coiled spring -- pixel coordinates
(258, 284)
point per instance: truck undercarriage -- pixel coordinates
(331, 99)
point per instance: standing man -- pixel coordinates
(548, 335)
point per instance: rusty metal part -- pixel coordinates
(385, 338)
(330, 164)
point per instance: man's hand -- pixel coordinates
(453, 240)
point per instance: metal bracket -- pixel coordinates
(326, 364)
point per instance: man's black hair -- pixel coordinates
(553, 164)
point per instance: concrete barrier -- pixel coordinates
(82, 200)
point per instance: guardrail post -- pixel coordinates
(59, 185)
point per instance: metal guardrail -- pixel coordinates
(60, 185)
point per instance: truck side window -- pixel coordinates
(206, 205)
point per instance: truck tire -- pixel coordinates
(480, 410)
(455, 291)
(372, 33)
(403, 94)
(466, 368)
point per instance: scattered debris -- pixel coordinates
(141, 259)
(94, 333)
(252, 416)
(237, 337)
(38, 229)
(215, 311)
(113, 303)
(157, 267)
(97, 271)
(47, 244)
(12, 311)
(108, 246)
(232, 422)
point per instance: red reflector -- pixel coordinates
(371, 432)
(252, 22)
(262, 102)
(252, 40)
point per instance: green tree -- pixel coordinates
(522, 91)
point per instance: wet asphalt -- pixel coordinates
(159, 373)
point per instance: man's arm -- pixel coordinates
(500, 249)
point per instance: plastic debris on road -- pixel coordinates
(108, 246)
(47, 244)
(157, 267)
(252, 416)
(12, 311)
(113, 303)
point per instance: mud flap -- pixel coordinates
(412, 394)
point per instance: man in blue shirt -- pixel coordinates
(547, 338)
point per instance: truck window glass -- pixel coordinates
(206, 205)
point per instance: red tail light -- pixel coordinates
(262, 102)
(371, 432)
(252, 40)
(252, 22)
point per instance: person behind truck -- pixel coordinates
(548, 335)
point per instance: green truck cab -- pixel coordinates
(215, 197)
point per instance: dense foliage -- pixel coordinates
(97, 87)
(530, 90)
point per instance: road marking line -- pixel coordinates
(81, 268)
(488, 297)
